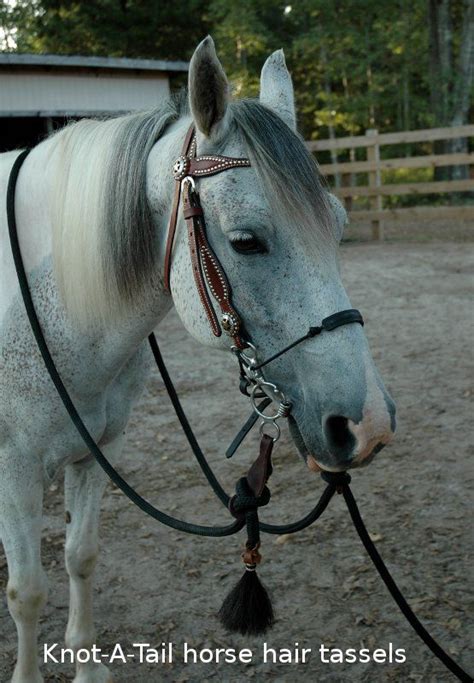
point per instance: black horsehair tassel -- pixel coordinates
(248, 608)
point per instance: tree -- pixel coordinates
(451, 69)
(116, 28)
(356, 64)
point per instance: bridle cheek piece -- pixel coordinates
(210, 279)
(208, 273)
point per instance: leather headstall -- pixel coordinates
(209, 275)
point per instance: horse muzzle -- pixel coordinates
(337, 443)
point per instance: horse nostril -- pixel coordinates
(340, 439)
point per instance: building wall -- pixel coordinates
(46, 93)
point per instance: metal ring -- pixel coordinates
(250, 361)
(261, 383)
(254, 401)
(268, 423)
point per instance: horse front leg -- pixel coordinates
(84, 486)
(21, 502)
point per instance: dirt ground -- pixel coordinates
(155, 585)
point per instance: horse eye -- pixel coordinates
(249, 245)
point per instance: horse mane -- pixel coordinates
(104, 238)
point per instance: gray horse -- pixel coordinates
(92, 206)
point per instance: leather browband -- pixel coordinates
(208, 272)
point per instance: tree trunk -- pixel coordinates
(332, 135)
(451, 79)
(440, 69)
(462, 88)
(440, 58)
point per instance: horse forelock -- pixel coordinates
(289, 174)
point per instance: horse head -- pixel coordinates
(275, 230)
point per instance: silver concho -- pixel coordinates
(230, 324)
(180, 168)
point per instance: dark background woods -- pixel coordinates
(357, 64)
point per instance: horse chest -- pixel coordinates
(33, 419)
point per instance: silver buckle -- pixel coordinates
(248, 357)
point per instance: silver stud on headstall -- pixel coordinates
(181, 168)
(230, 324)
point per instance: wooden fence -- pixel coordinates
(376, 190)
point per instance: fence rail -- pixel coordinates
(376, 190)
(405, 136)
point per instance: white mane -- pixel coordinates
(103, 236)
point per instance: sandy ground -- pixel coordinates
(155, 585)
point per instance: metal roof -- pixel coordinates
(77, 61)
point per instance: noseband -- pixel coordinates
(210, 279)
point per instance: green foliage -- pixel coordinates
(356, 64)
(405, 176)
(115, 28)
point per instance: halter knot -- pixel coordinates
(314, 331)
(337, 479)
(245, 500)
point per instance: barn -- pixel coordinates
(39, 93)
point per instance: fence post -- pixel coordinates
(346, 182)
(375, 180)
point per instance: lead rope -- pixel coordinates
(396, 593)
(335, 481)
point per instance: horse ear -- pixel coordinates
(208, 89)
(276, 88)
(340, 215)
